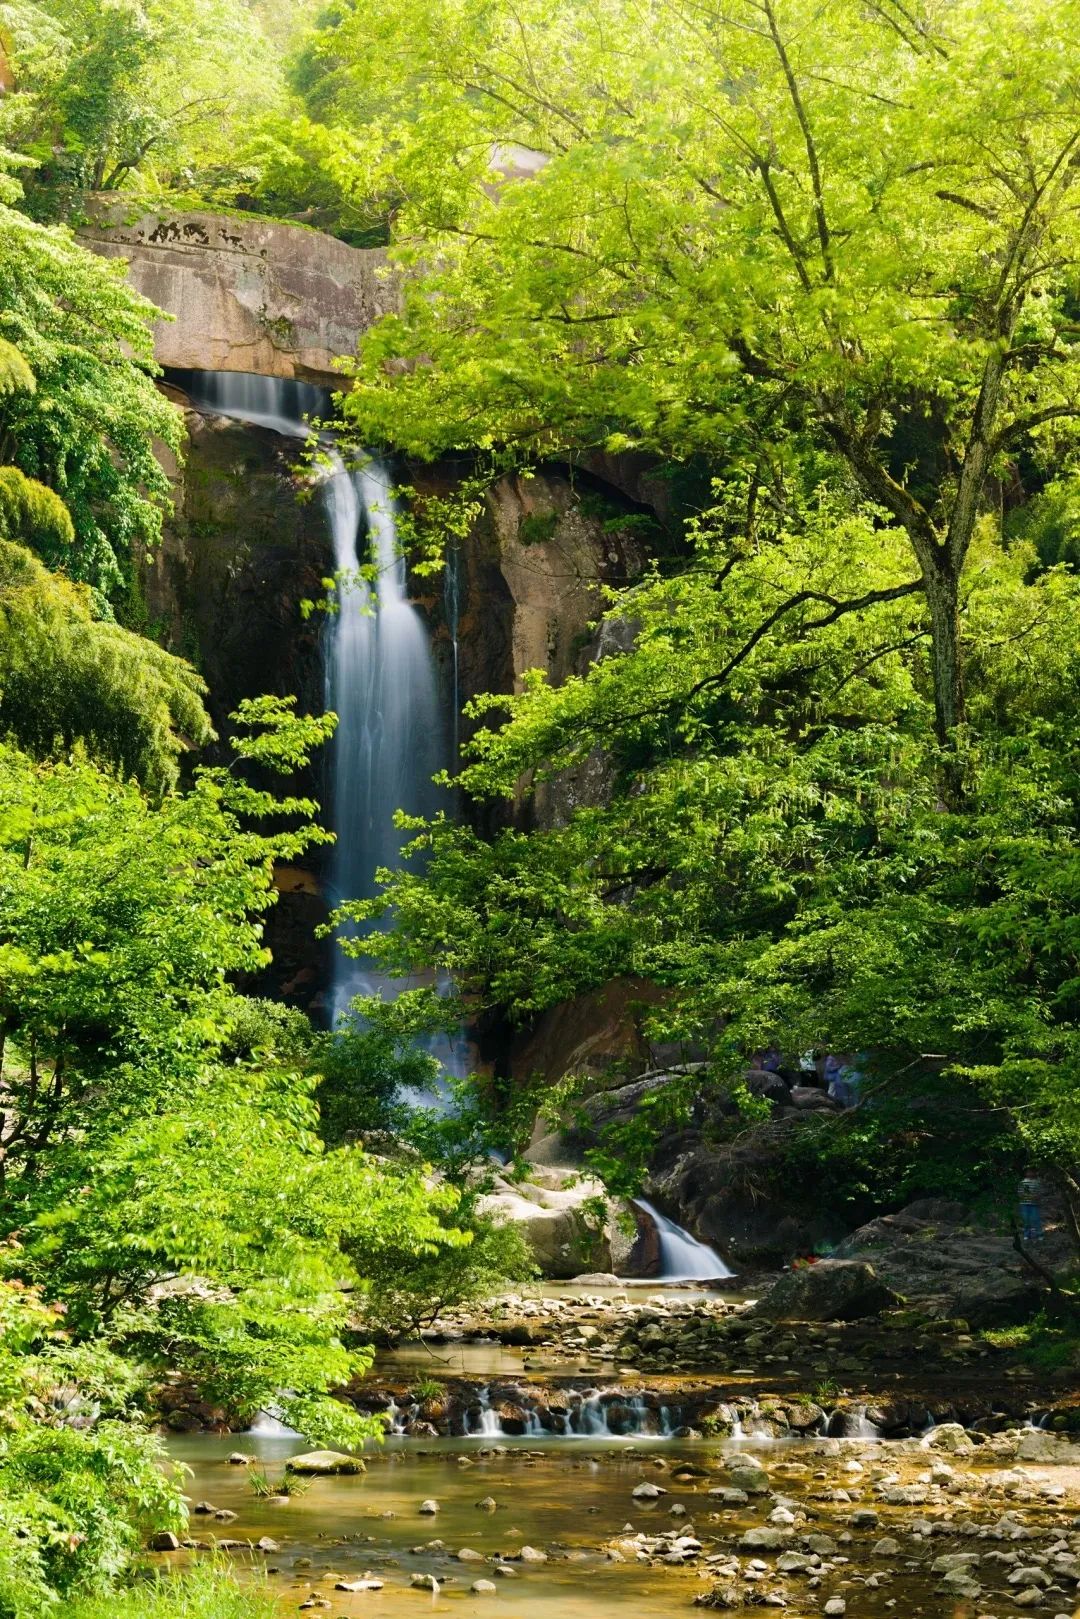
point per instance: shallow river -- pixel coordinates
(565, 1501)
(568, 1500)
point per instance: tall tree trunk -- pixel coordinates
(943, 599)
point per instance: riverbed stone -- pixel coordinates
(483, 1587)
(424, 1582)
(765, 1538)
(316, 1463)
(748, 1475)
(951, 1437)
(428, 1508)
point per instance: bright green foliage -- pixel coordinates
(364, 1066)
(121, 93)
(828, 796)
(743, 224)
(408, 1292)
(200, 1593)
(32, 513)
(67, 677)
(120, 922)
(771, 846)
(159, 1152)
(87, 429)
(15, 375)
(80, 1487)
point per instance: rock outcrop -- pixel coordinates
(832, 1290)
(936, 1252)
(246, 294)
(569, 1222)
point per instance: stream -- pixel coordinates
(571, 1502)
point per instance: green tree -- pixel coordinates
(118, 94)
(69, 678)
(88, 426)
(82, 1479)
(740, 224)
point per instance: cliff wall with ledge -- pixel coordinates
(245, 294)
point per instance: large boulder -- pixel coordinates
(567, 1219)
(245, 293)
(323, 1464)
(948, 1262)
(832, 1290)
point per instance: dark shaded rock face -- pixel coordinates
(240, 552)
(832, 1290)
(239, 555)
(936, 1252)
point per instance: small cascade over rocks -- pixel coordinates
(515, 1411)
(682, 1257)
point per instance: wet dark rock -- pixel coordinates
(832, 1290)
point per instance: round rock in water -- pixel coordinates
(429, 1508)
(424, 1582)
(483, 1587)
(316, 1463)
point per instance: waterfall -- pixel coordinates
(380, 681)
(682, 1257)
(268, 1425)
(275, 402)
(380, 676)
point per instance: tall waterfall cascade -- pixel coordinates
(391, 736)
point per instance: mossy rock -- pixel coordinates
(324, 1463)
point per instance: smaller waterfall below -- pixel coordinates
(682, 1257)
(269, 1426)
(484, 1413)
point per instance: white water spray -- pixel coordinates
(682, 1257)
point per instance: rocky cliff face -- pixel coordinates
(248, 544)
(246, 294)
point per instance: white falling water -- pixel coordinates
(380, 678)
(682, 1257)
(380, 681)
(268, 1425)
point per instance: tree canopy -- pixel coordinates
(827, 256)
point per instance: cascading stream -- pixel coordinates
(380, 681)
